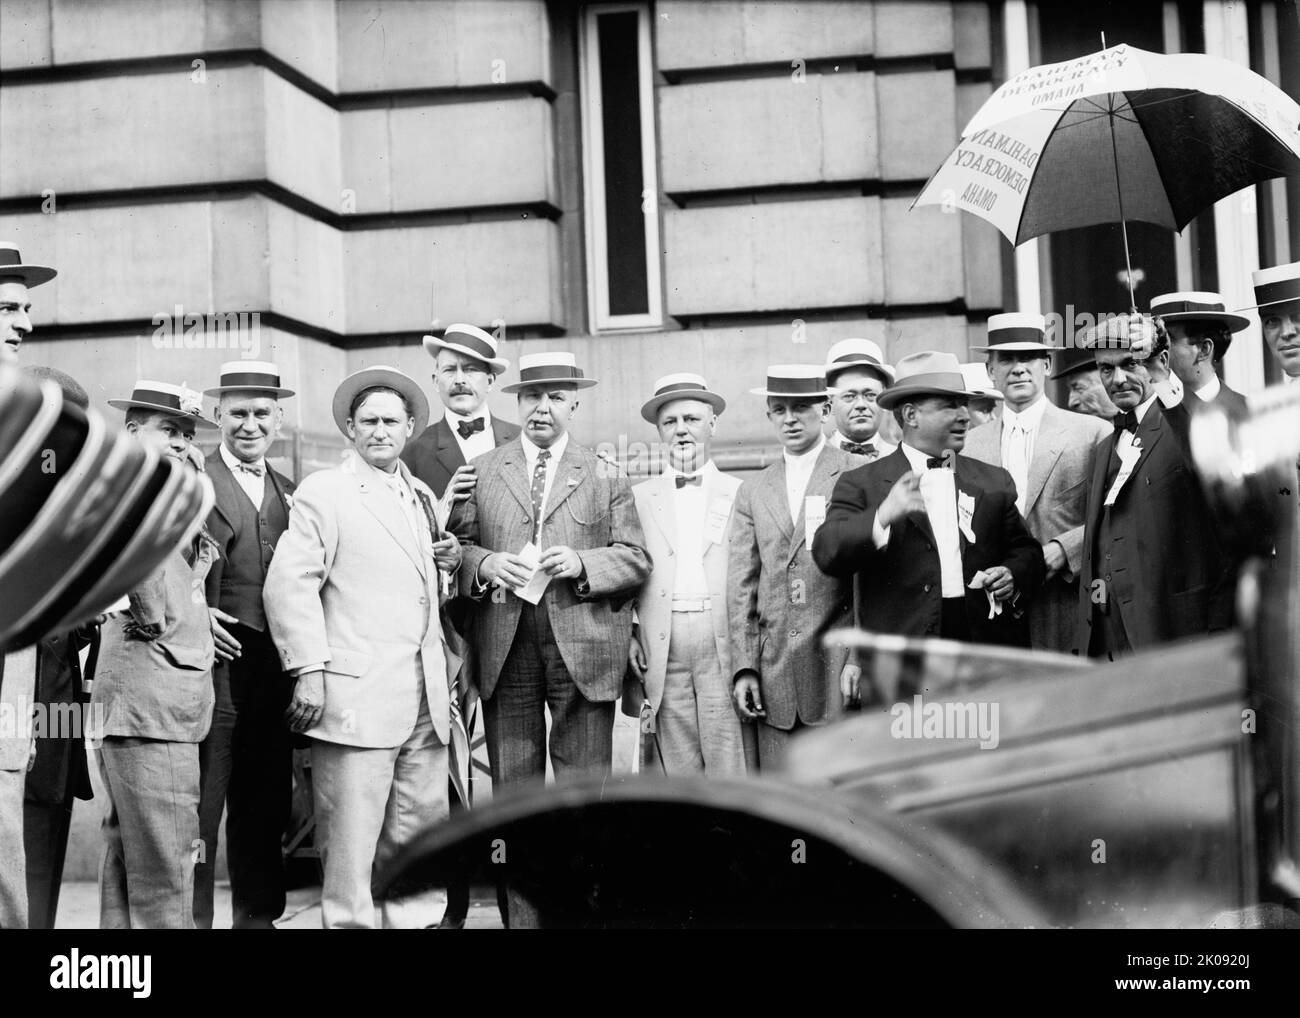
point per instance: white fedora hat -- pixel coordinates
(928, 373)
(470, 341)
(860, 354)
(381, 375)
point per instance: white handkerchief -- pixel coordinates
(979, 582)
(814, 515)
(965, 514)
(533, 590)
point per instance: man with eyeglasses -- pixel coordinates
(779, 604)
(1153, 568)
(857, 372)
(466, 367)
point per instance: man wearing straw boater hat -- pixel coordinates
(1200, 330)
(1144, 578)
(354, 600)
(247, 758)
(779, 604)
(552, 531)
(934, 538)
(856, 370)
(154, 686)
(466, 366)
(681, 646)
(1047, 451)
(17, 670)
(1277, 296)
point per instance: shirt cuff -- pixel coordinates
(879, 534)
(318, 666)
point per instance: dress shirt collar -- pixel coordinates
(1209, 390)
(1029, 418)
(454, 418)
(808, 457)
(918, 460)
(707, 471)
(531, 449)
(232, 461)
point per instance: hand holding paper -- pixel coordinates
(998, 585)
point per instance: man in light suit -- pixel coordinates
(779, 604)
(680, 646)
(154, 686)
(1047, 451)
(17, 670)
(353, 601)
(856, 370)
(247, 758)
(1153, 566)
(466, 367)
(934, 538)
(1200, 330)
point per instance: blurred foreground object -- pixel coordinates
(85, 512)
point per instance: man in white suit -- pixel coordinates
(353, 601)
(680, 643)
(1047, 451)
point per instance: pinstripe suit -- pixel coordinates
(780, 604)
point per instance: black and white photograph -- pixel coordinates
(780, 465)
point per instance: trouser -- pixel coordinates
(45, 838)
(13, 869)
(696, 725)
(1108, 638)
(534, 678)
(766, 748)
(369, 802)
(151, 833)
(247, 767)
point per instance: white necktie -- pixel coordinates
(1018, 463)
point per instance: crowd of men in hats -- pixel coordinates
(473, 563)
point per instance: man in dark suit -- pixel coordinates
(934, 538)
(247, 758)
(1200, 330)
(466, 367)
(555, 530)
(1153, 569)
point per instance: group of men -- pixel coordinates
(524, 572)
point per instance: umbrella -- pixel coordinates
(1117, 135)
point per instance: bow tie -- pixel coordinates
(860, 449)
(1125, 420)
(938, 463)
(467, 428)
(682, 480)
(256, 469)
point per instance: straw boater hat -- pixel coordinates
(924, 374)
(683, 385)
(165, 398)
(978, 382)
(795, 381)
(1278, 285)
(554, 368)
(472, 342)
(12, 267)
(250, 376)
(1016, 331)
(1200, 306)
(859, 354)
(390, 378)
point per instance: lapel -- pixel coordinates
(825, 470)
(514, 472)
(570, 472)
(771, 495)
(896, 466)
(1148, 435)
(448, 452)
(661, 508)
(380, 503)
(1048, 446)
(224, 487)
(502, 431)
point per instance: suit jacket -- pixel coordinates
(591, 510)
(352, 588)
(779, 604)
(900, 586)
(434, 454)
(654, 506)
(60, 772)
(1174, 580)
(1231, 400)
(161, 688)
(223, 521)
(17, 689)
(1054, 511)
